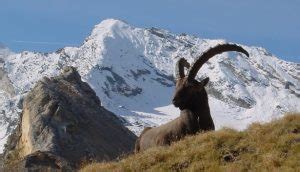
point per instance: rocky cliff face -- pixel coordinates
(63, 126)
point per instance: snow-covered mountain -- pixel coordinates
(131, 70)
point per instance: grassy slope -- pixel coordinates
(262, 147)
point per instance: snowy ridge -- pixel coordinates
(131, 70)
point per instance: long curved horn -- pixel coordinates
(179, 69)
(210, 53)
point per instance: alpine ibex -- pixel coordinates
(191, 98)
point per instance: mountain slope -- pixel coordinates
(131, 70)
(223, 150)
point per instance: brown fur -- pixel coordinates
(191, 98)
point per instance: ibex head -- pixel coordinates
(188, 90)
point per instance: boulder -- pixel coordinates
(64, 126)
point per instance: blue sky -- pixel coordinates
(46, 25)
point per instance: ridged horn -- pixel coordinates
(210, 53)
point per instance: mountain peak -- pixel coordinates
(112, 21)
(109, 26)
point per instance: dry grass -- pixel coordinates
(262, 147)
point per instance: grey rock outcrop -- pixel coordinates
(63, 126)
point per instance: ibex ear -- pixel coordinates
(204, 81)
